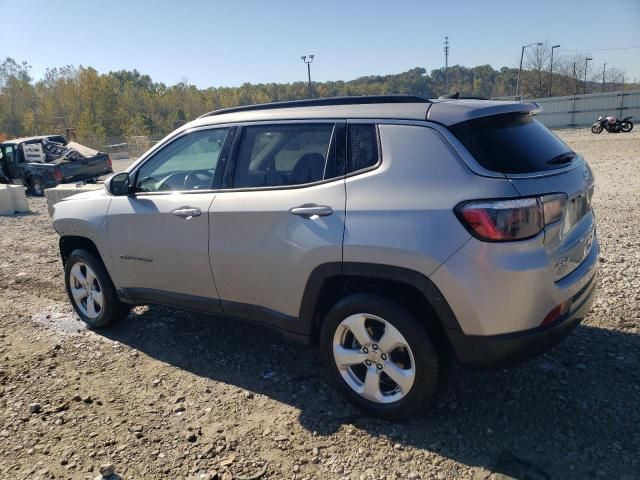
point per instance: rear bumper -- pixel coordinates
(499, 351)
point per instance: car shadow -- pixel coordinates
(571, 413)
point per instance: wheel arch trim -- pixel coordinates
(68, 243)
(325, 272)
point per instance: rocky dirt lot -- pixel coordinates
(169, 394)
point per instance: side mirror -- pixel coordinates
(118, 184)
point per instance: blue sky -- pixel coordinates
(227, 43)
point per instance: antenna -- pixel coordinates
(446, 64)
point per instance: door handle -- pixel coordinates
(308, 211)
(187, 212)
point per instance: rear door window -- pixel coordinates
(282, 155)
(512, 143)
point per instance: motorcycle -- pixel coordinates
(612, 125)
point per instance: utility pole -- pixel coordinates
(520, 69)
(604, 69)
(551, 68)
(446, 65)
(586, 61)
(575, 79)
(304, 59)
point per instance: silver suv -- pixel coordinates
(394, 232)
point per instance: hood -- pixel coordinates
(94, 193)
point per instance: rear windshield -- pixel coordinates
(512, 143)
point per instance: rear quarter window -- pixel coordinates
(511, 143)
(363, 147)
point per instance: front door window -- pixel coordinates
(188, 163)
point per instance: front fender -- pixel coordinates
(85, 217)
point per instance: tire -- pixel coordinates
(84, 273)
(37, 186)
(596, 128)
(415, 350)
(627, 127)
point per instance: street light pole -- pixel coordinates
(604, 69)
(586, 61)
(520, 69)
(304, 59)
(551, 68)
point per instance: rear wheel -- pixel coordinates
(379, 356)
(596, 128)
(37, 186)
(91, 291)
(627, 127)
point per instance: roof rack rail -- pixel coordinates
(329, 101)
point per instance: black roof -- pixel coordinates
(330, 101)
(446, 111)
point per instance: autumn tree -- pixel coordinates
(17, 98)
(109, 107)
(535, 78)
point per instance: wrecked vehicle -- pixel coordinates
(46, 161)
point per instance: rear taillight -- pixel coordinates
(510, 219)
(110, 164)
(57, 175)
(553, 207)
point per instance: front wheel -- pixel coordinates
(627, 127)
(91, 291)
(596, 128)
(379, 356)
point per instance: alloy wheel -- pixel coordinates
(374, 358)
(86, 290)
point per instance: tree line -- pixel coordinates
(97, 107)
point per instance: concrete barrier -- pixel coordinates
(54, 195)
(13, 199)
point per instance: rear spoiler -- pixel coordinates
(450, 112)
(538, 108)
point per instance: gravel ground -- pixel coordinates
(176, 395)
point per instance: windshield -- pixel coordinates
(512, 143)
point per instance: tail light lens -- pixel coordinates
(110, 164)
(553, 207)
(511, 219)
(57, 175)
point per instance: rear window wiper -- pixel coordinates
(566, 157)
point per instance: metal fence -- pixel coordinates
(584, 110)
(119, 147)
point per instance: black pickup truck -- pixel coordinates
(48, 160)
